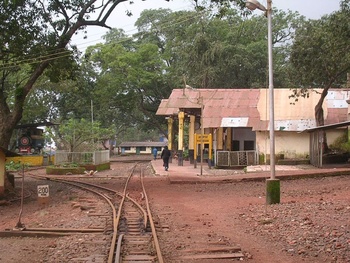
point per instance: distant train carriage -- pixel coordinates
(30, 140)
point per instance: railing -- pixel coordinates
(82, 157)
(236, 158)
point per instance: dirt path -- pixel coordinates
(312, 223)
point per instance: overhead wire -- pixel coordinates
(66, 53)
(34, 60)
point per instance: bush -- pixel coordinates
(341, 144)
(15, 166)
(54, 170)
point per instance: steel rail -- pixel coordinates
(116, 215)
(112, 252)
(119, 247)
(135, 202)
(154, 232)
(147, 216)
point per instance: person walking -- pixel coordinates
(165, 155)
(155, 153)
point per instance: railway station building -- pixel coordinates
(141, 147)
(231, 126)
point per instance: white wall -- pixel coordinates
(133, 150)
(291, 144)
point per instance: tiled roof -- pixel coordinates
(226, 106)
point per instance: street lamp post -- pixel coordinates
(202, 133)
(272, 184)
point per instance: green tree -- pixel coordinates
(130, 81)
(226, 51)
(39, 39)
(34, 38)
(320, 56)
(76, 135)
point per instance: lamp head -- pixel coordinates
(254, 4)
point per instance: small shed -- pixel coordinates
(316, 141)
(3, 154)
(140, 147)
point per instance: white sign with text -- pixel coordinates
(43, 191)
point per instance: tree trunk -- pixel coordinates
(319, 116)
(9, 119)
(6, 130)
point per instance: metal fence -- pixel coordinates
(236, 158)
(82, 157)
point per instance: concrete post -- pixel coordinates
(191, 138)
(170, 133)
(273, 195)
(180, 149)
(2, 172)
(229, 139)
(181, 116)
(220, 139)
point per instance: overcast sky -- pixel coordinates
(312, 9)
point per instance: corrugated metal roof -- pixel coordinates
(330, 126)
(223, 103)
(165, 109)
(253, 104)
(143, 144)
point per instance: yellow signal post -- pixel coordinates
(207, 139)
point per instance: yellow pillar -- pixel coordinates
(170, 133)
(191, 132)
(181, 116)
(219, 139)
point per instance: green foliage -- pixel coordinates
(68, 165)
(320, 55)
(64, 170)
(75, 135)
(131, 75)
(129, 82)
(121, 83)
(34, 38)
(225, 51)
(185, 154)
(15, 166)
(341, 144)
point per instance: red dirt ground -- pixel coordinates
(312, 223)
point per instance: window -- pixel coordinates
(249, 145)
(235, 145)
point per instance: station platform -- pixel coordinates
(188, 173)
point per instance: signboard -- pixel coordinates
(234, 122)
(43, 191)
(206, 138)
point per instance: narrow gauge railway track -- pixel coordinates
(134, 236)
(137, 240)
